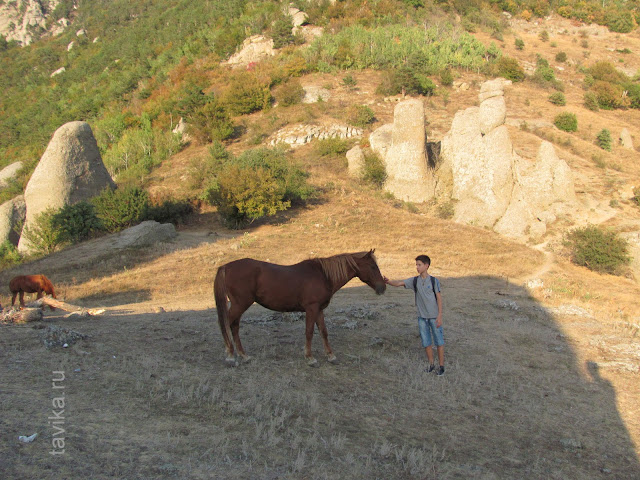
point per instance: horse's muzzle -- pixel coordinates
(381, 288)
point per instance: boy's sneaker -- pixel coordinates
(440, 371)
(431, 368)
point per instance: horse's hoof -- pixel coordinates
(231, 362)
(246, 358)
(312, 362)
(333, 359)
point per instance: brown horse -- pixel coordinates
(30, 284)
(304, 287)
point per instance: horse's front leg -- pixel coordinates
(325, 337)
(311, 315)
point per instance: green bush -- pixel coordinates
(604, 140)
(446, 210)
(561, 57)
(210, 122)
(243, 195)
(544, 36)
(121, 208)
(566, 121)
(331, 146)
(360, 116)
(598, 249)
(9, 255)
(247, 94)
(258, 183)
(77, 222)
(620, 21)
(374, 171)
(42, 235)
(289, 93)
(170, 211)
(591, 101)
(519, 44)
(281, 32)
(557, 98)
(446, 77)
(405, 80)
(609, 95)
(508, 68)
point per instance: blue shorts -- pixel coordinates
(429, 332)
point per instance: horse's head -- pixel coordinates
(369, 273)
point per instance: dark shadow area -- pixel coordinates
(149, 393)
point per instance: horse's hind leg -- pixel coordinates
(325, 338)
(13, 298)
(235, 312)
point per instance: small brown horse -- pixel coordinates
(304, 287)
(30, 284)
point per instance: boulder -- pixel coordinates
(9, 172)
(12, 214)
(625, 139)
(144, 234)
(355, 161)
(254, 49)
(408, 175)
(298, 17)
(70, 171)
(493, 112)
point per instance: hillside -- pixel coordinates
(542, 356)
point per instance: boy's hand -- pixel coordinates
(439, 321)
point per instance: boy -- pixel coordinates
(429, 305)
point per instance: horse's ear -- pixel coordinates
(371, 252)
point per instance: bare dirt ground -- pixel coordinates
(542, 376)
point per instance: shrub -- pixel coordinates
(281, 32)
(566, 121)
(446, 77)
(519, 44)
(561, 57)
(604, 140)
(42, 235)
(9, 254)
(360, 116)
(446, 210)
(247, 94)
(243, 195)
(210, 122)
(509, 68)
(557, 98)
(289, 93)
(121, 208)
(405, 80)
(597, 249)
(609, 95)
(349, 82)
(374, 171)
(591, 101)
(331, 146)
(620, 21)
(170, 211)
(544, 36)
(77, 222)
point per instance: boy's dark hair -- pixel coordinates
(424, 259)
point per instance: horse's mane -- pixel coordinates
(336, 268)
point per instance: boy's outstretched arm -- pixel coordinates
(394, 283)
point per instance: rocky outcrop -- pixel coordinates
(625, 140)
(408, 175)
(476, 166)
(313, 94)
(20, 18)
(143, 234)
(70, 171)
(355, 162)
(297, 135)
(495, 188)
(254, 49)
(12, 214)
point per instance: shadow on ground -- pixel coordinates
(147, 395)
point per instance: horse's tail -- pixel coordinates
(220, 294)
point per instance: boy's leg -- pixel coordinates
(440, 349)
(429, 351)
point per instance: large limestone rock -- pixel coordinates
(408, 175)
(9, 172)
(144, 234)
(493, 186)
(70, 171)
(355, 162)
(12, 214)
(254, 49)
(625, 139)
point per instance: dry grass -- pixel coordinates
(541, 382)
